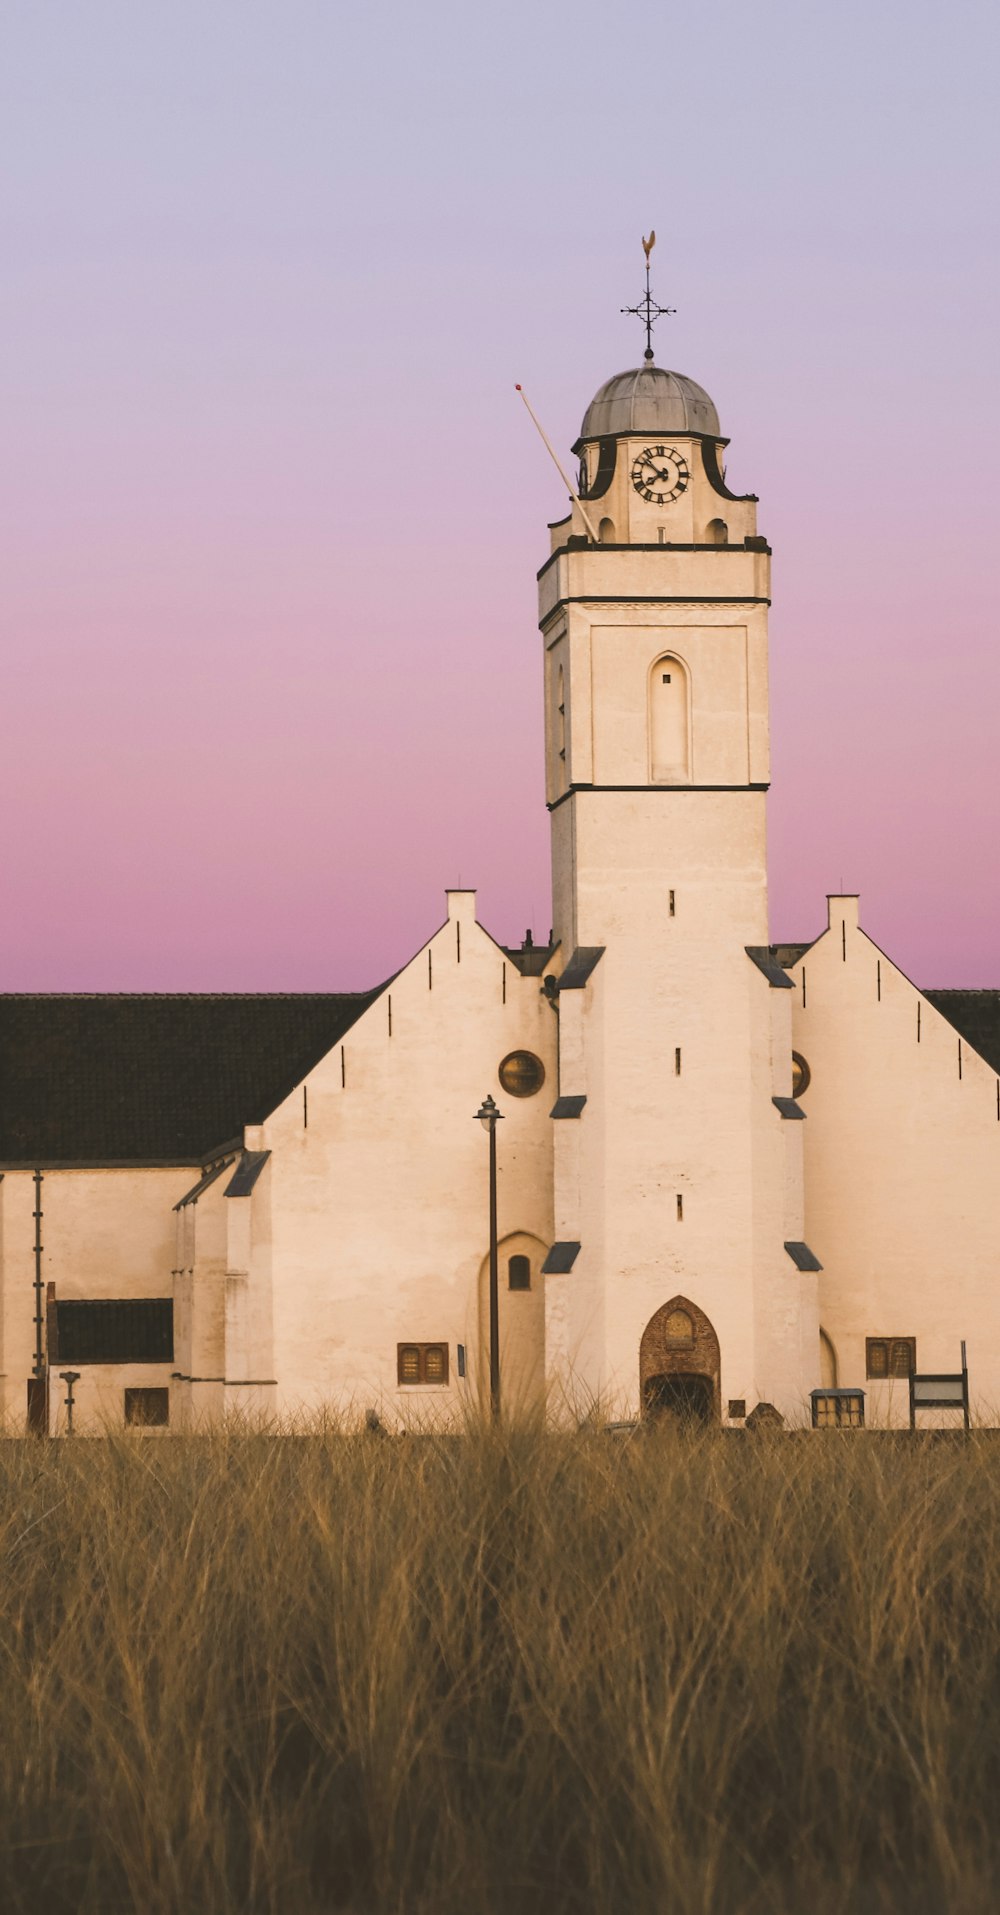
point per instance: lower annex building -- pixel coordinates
(730, 1173)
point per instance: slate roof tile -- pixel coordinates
(975, 1015)
(154, 1078)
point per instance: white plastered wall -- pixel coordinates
(377, 1205)
(902, 1162)
(105, 1233)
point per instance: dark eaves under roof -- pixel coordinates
(975, 1015)
(155, 1079)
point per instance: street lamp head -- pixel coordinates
(488, 1114)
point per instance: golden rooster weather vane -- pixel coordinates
(647, 310)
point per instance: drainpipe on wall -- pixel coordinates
(38, 1382)
(39, 1363)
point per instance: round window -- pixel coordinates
(522, 1074)
(800, 1074)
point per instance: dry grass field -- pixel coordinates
(500, 1675)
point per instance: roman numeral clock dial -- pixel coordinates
(659, 474)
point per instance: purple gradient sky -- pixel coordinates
(271, 511)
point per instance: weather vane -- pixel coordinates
(647, 309)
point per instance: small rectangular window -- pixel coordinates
(677, 1061)
(670, 904)
(838, 1409)
(147, 1409)
(680, 1208)
(890, 1356)
(519, 1273)
(422, 1363)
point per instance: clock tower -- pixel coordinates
(678, 1162)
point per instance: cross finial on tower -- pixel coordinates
(647, 310)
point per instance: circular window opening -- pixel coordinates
(801, 1074)
(522, 1074)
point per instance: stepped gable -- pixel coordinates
(975, 1015)
(154, 1079)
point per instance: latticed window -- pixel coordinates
(519, 1273)
(838, 1409)
(890, 1356)
(422, 1362)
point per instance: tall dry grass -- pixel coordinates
(500, 1674)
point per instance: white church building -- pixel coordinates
(730, 1174)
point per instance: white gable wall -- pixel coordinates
(374, 1206)
(902, 1159)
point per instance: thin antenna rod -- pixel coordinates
(574, 496)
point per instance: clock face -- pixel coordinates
(659, 474)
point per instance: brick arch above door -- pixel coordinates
(666, 1349)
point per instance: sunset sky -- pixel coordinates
(272, 511)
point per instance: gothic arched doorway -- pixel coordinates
(679, 1364)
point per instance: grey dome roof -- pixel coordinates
(650, 399)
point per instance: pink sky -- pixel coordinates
(272, 512)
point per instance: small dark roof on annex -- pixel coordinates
(529, 958)
(154, 1079)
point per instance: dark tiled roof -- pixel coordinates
(776, 977)
(788, 1107)
(154, 1079)
(568, 1107)
(583, 961)
(789, 954)
(204, 1183)
(247, 1171)
(975, 1015)
(530, 959)
(802, 1257)
(560, 1259)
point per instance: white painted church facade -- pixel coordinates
(729, 1173)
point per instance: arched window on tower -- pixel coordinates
(606, 531)
(669, 722)
(717, 532)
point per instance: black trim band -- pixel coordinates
(653, 598)
(671, 790)
(759, 544)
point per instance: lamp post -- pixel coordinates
(489, 1116)
(69, 1377)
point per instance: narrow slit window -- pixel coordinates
(677, 1061)
(680, 1208)
(671, 904)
